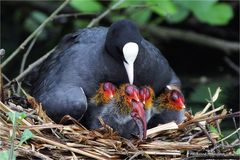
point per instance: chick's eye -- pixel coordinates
(129, 90)
(174, 97)
(107, 86)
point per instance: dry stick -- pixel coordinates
(212, 156)
(235, 124)
(206, 133)
(22, 46)
(33, 154)
(97, 19)
(229, 135)
(30, 67)
(25, 58)
(75, 15)
(192, 37)
(69, 148)
(214, 114)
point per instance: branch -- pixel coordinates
(25, 56)
(30, 67)
(212, 156)
(232, 65)
(97, 19)
(22, 46)
(192, 37)
(32, 153)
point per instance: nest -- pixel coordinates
(30, 133)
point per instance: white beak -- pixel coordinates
(130, 52)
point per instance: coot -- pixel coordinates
(82, 60)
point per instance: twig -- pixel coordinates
(229, 135)
(232, 65)
(22, 46)
(206, 133)
(32, 154)
(192, 37)
(75, 15)
(68, 148)
(25, 58)
(97, 19)
(212, 156)
(30, 67)
(214, 114)
(235, 124)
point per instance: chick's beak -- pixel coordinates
(181, 105)
(138, 115)
(135, 97)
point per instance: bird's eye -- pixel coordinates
(108, 86)
(174, 96)
(129, 90)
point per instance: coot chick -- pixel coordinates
(119, 108)
(168, 106)
(82, 60)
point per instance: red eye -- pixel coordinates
(108, 86)
(174, 97)
(129, 90)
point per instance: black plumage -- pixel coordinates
(84, 59)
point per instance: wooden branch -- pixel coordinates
(29, 38)
(32, 153)
(97, 19)
(212, 156)
(30, 68)
(192, 37)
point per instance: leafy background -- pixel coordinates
(198, 66)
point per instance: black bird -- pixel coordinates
(82, 60)
(119, 108)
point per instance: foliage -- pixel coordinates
(15, 118)
(211, 12)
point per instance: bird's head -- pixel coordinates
(171, 98)
(131, 104)
(105, 93)
(122, 43)
(146, 95)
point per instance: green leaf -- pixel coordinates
(163, 7)
(213, 129)
(86, 5)
(141, 16)
(128, 3)
(4, 155)
(237, 151)
(219, 14)
(27, 134)
(179, 16)
(16, 117)
(196, 4)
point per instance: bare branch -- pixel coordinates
(97, 19)
(29, 38)
(192, 37)
(30, 67)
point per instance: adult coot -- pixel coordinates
(82, 60)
